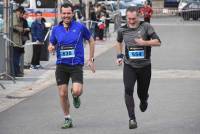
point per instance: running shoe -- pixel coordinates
(132, 124)
(143, 106)
(76, 100)
(67, 123)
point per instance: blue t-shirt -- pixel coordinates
(69, 43)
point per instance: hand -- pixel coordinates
(51, 48)
(119, 61)
(91, 65)
(26, 29)
(140, 42)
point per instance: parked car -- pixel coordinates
(138, 3)
(183, 3)
(191, 10)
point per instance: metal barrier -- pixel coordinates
(192, 14)
(5, 47)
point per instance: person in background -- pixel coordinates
(93, 20)
(17, 39)
(38, 35)
(101, 18)
(147, 12)
(26, 31)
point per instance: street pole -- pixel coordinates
(5, 16)
(87, 10)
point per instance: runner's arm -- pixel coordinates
(119, 47)
(152, 42)
(120, 56)
(92, 48)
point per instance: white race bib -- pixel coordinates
(67, 52)
(136, 53)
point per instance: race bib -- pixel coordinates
(136, 52)
(67, 52)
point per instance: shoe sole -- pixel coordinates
(67, 127)
(132, 126)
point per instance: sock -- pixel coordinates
(67, 116)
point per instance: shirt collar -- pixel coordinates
(61, 23)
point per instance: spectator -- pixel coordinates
(101, 17)
(17, 38)
(147, 12)
(93, 24)
(25, 35)
(107, 21)
(38, 35)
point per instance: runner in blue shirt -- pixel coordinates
(67, 39)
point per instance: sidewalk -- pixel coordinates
(35, 81)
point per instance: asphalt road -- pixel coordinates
(173, 103)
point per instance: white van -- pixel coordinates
(47, 7)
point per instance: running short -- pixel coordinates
(65, 72)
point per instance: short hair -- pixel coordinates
(38, 12)
(20, 9)
(67, 5)
(132, 9)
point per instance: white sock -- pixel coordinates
(67, 116)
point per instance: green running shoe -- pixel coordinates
(67, 123)
(76, 101)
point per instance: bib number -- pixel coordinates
(67, 52)
(136, 53)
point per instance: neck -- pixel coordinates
(66, 25)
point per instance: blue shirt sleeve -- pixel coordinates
(53, 36)
(86, 33)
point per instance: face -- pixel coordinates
(18, 13)
(66, 14)
(132, 18)
(25, 15)
(38, 16)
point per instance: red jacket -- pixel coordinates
(146, 11)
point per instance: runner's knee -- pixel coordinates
(128, 91)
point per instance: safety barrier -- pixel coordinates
(193, 14)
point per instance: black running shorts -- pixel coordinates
(65, 72)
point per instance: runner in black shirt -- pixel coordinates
(138, 38)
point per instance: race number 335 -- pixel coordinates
(67, 53)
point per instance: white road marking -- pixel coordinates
(166, 74)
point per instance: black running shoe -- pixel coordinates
(143, 106)
(132, 124)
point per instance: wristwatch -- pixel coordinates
(92, 59)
